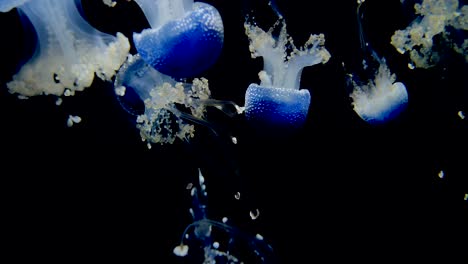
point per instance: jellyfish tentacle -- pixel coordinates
(204, 231)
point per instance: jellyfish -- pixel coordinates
(436, 18)
(185, 37)
(379, 99)
(277, 103)
(219, 241)
(165, 109)
(69, 51)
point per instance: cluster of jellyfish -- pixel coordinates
(162, 86)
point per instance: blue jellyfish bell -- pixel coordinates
(185, 38)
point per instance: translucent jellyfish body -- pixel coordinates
(278, 102)
(185, 37)
(69, 52)
(219, 241)
(381, 99)
(377, 99)
(442, 18)
(162, 105)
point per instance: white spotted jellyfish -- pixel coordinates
(277, 104)
(379, 99)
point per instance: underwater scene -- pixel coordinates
(234, 131)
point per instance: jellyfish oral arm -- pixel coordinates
(434, 18)
(305, 57)
(69, 51)
(160, 12)
(167, 104)
(279, 68)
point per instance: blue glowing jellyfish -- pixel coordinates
(435, 18)
(162, 105)
(278, 103)
(69, 51)
(220, 242)
(379, 99)
(185, 37)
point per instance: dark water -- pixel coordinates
(339, 190)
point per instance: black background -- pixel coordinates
(339, 190)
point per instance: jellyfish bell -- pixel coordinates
(281, 111)
(278, 104)
(164, 109)
(185, 38)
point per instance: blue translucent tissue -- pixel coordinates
(185, 38)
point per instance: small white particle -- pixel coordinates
(237, 195)
(234, 140)
(410, 66)
(120, 91)
(441, 174)
(73, 120)
(254, 215)
(189, 186)
(59, 101)
(181, 250)
(259, 237)
(224, 219)
(68, 92)
(461, 114)
(216, 245)
(192, 213)
(201, 179)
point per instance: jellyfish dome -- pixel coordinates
(267, 106)
(185, 38)
(69, 51)
(277, 103)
